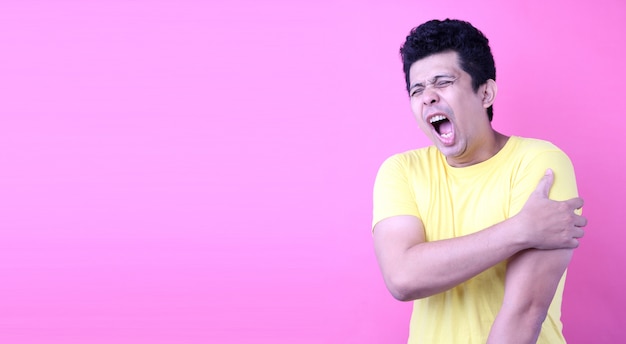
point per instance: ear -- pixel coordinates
(489, 92)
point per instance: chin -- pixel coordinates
(450, 151)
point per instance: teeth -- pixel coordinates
(437, 118)
(446, 135)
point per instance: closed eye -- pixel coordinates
(438, 82)
(417, 91)
(443, 83)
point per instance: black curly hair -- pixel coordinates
(437, 36)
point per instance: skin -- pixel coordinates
(544, 230)
(474, 139)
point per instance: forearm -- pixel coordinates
(428, 268)
(516, 326)
(532, 279)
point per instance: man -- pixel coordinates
(479, 228)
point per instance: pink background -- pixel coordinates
(195, 172)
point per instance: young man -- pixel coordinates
(477, 229)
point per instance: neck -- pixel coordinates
(485, 150)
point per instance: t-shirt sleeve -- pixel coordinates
(563, 188)
(393, 192)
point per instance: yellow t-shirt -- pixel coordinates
(453, 202)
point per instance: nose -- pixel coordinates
(430, 97)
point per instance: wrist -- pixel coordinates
(519, 234)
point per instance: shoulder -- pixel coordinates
(530, 150)
(412, 158)
(530, 145)
(538, 155)
(404, 169)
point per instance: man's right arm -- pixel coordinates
(413, 268)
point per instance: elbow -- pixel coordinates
(400, 294)
(520, 324)
(535, 309)
(537, 313)
(402, 289)
(529, 316)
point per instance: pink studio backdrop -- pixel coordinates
(201, 172)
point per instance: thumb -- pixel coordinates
(545, 183)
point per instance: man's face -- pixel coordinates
(448, 110)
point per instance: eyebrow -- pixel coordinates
(431, 81)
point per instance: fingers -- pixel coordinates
(575, 203)
(575, 241)
(545, 183)
(579, 233)
(580, 221)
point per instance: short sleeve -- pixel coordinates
(393, 192)
(563, 188)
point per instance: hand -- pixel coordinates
(548, 224)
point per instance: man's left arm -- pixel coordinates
(533, 276)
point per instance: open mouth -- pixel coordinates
(442, 126)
